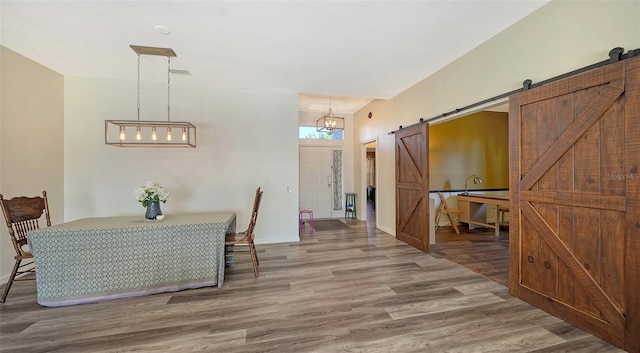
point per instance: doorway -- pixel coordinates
(474, 143)
(370, 181)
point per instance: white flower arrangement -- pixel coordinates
(152, 191)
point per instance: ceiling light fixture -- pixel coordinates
(147, 131)
(163, 30)
(330, 123)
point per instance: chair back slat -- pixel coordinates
(22, 228)
(254, 214)
(443, 201)
(256, 202)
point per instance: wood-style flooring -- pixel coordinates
(477, 250)
(354, 290)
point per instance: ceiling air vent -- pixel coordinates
(180, 72)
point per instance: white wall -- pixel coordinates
(559, 37)
(31, 139)
(245, 139)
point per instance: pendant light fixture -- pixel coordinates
(151, 133)
(329, 123)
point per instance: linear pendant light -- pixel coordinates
(151, 133)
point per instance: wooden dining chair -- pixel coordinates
(444, 209)
(246, 238)
(22, 214)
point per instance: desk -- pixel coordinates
(474, 209)
(95, 259)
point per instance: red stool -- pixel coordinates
(301, 221)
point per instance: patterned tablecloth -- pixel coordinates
(96, 259)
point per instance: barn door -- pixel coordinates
(575, 187)
(412, 186)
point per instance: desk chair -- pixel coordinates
(22, 215)
(502, 210)
(444, 209)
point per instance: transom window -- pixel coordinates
(310, 132)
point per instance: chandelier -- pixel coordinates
(329, 123)
(151, 133)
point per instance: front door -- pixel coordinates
(316, 180)
(412, 186)
(575, 200)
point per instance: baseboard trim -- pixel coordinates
(387, 230)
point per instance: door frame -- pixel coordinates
(363, 176)
(487, 107)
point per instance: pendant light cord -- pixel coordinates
(169, 89)
(138, 87)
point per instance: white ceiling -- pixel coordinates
(353, 51)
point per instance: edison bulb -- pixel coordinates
(169, 134)
(138, 134)
(122, 134)
(154, 136)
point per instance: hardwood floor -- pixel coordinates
(477, 250)
(355, 290)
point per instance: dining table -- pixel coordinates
(102, 258)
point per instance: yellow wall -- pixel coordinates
(475, 144)
(31, 139)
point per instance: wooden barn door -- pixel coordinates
(412, 186)
(575, 190)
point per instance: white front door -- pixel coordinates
(316, 181)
